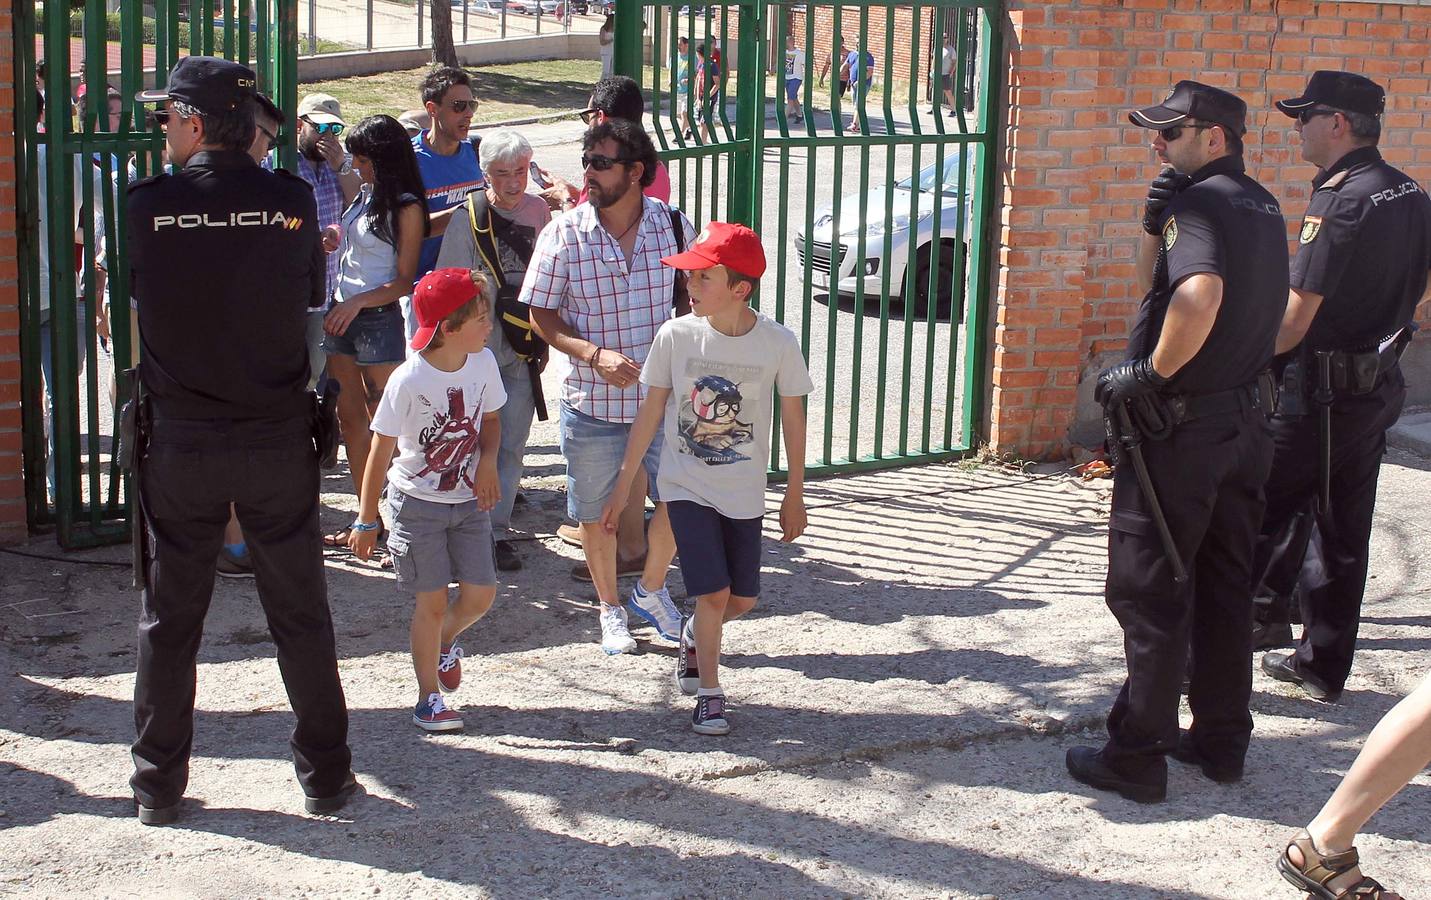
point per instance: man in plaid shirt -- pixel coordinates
(598, 292)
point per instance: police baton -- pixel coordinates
(1132, 440)
(1324, 399)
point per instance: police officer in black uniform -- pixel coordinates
(1188, 404)
(226, 261)
(1359, 272)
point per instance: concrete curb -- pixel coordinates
(1412, 432)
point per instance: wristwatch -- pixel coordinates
(347, 167)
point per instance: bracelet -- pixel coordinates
(591, 360)
(370, 526)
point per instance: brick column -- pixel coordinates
(12, 486)
(1075, 172)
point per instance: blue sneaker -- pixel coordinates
(709, 715)
(433, 714)
(657, 609)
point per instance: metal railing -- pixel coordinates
(873, 202)
(336, 26)
(86, 155)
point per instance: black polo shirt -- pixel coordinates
(1365, 246)
(226, 259)
(1224, 224)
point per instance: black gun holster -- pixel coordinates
(326, 434)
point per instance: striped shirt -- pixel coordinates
(580, 270)
(329, 194)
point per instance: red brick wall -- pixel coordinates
(1075, 172)
(12, 487)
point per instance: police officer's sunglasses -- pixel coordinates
(333, 128)
(1171, 134)
(272, 137)
(1311, 112)
(602, 163)
(156, 118)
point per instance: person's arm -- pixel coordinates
(409, 240)
(1190, 317)
(649, 418)
(350, 184)
(792, 508)
(439, 221)
(614, 368)
(486, 487)
(825, 70)
(1147, 258)
(380, 456)
(459, 247)
(1302, 308)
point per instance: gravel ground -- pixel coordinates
(901, 702)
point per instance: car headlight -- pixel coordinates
(894, 226)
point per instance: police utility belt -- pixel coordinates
(1155, 415)
(1339, 373)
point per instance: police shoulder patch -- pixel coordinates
(1311, 227)
(1170, 233)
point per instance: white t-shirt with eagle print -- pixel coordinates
(436, 417)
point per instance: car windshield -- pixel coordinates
(927, 178)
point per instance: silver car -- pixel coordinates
(829, 251)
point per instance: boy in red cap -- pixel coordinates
(710, 377)
(439, 413)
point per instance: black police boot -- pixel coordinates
(1271, 635)
(327, 806)
(1088, 766)
(157, 815)
(1280, 666)
(1187, 753)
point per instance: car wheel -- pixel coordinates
(948, 278)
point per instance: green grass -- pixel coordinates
(509, 91)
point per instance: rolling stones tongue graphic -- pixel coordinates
(449, 450)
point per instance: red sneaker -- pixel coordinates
(449, 668)
(433, 715)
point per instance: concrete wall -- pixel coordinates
(516, 49)
(1075, 172)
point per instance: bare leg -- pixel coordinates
(426, 635)
(1398, 748)
(472, 603)
(600, 551)
(233, 534)
(353, 416)
(712, 612)
(660, 550)
(631, 529)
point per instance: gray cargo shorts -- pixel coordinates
(434, 544)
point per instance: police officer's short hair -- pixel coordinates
(633, 140)
(227, 129)
(439, 81)
(503, 146)
(1363, 127)
(619, 97)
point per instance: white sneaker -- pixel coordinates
(656, 607)
(615, 638)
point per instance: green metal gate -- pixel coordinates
(80, 153)
(863, 199)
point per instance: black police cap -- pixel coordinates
(206, 83)
(1192, 100)
(1346, 91)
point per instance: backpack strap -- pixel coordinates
(480, 217)
(680, 295)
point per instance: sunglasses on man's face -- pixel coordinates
(1171, 134)
(589, 115)
(272, 137)
(601, 163)
(156, 118)
(333, 128)
(1311, 113)
(461, 106)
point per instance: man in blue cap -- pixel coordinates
(226, 261)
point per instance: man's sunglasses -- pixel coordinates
(156, 117)
(1311, 112)
(602, 163)
(589, 115)
(1171, 134)
(272, 137)
(461, 106)
(333, 128)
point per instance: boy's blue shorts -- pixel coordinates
(716, 552)
(792, 90)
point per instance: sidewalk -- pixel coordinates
(901, 704)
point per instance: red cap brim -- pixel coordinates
(689, 260)
(423, 337)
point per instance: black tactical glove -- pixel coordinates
(1125, 381)
(1160, 193)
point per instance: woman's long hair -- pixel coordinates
(384, 142)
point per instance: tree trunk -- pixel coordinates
(443, 52)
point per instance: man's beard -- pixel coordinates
(310, 151)
(598, 197)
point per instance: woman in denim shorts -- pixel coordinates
(383, 230)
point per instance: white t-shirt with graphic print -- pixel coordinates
(436, 417)
(718, 420)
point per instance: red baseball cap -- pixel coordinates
(723, 244)
(438, 295)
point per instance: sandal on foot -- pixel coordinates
(1318, 870)
(338, 539)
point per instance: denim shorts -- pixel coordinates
(375, 337)
(792, 90)
(594, 449)
(434, 544)
(716, 551)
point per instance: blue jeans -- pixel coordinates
(516, 418)
(594, 449)
(47, 369)
(373, 338)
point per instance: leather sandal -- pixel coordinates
(1318, 870)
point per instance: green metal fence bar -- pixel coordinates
(974, 366)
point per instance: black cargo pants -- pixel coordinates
(190, 473)
(1208, 474)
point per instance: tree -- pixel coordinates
(443, 51)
